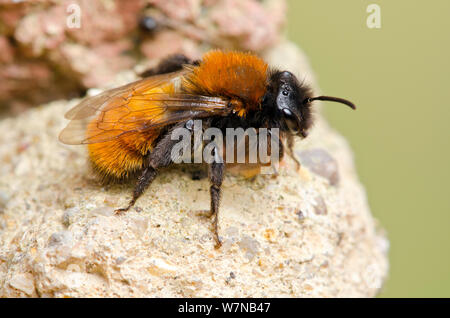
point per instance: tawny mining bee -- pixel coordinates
(128, 129)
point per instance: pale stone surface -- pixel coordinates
(297, 235)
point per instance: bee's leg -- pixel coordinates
(216, 171)
(160, 157)
(281, 151)
(172, 63)
(143, 182)
(290, 145)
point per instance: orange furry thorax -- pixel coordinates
(235, 75)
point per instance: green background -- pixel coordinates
(399, 78)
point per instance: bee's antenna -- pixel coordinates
(331, 99)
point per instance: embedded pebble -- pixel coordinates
(250, 246)
(60, 238)
(73, 268)
(23, 282)
(320, 207)
(159, 266)
(321, 163)
(104, 210)
(300, 215)
(4, 199)
(120, 260)
(69, 214)
(139, 225)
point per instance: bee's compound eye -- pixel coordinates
(189, 124)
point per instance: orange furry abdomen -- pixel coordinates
(235, 75)
(122, 156)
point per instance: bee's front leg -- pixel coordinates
(290, 148)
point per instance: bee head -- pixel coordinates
(292, 102)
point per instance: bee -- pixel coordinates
(127, 129)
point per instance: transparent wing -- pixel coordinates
(147, 104)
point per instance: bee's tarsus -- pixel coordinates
(218, 243)
(216, 231)
(123, 210)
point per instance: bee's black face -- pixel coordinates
(289, 97)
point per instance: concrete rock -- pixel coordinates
(296, 235)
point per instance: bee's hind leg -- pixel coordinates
(143, 182)
(160, 157)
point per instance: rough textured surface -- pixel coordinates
(305, 233)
